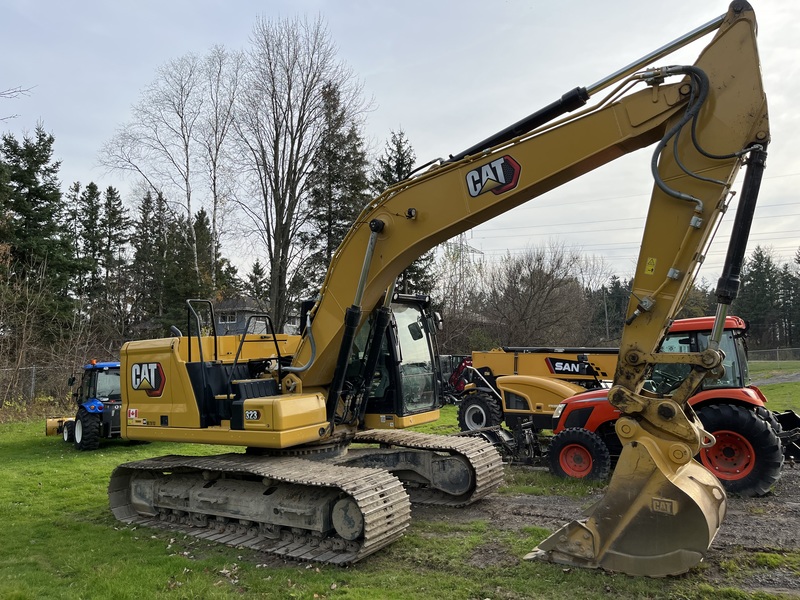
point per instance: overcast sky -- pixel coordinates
(449, 73)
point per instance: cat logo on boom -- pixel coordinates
(148, 377)
(497, 176)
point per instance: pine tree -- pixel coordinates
(90, 208)
(149, 268)
(338, 188)
(33, 224)
(257, 284)
(218, 277)
(758, 299)
(114, 227)
(395, 165)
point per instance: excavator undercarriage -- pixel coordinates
(332, 507)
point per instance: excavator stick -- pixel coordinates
(662, 508)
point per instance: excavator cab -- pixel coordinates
(406, 386)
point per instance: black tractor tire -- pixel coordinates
(770, 418)
(748, 456)
(68, 432)
(87, 430)
(479, 410)
(579, 453)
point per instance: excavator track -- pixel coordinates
(302, 509)
(476, 460)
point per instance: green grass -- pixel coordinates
(763, 369)
(59, 540)
(781, 396)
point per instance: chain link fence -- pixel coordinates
(25, 384)
(775, 354)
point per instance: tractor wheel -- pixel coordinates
(478, 411)
(579, 453)
(748, 456)
(68, 431)
(87, 430)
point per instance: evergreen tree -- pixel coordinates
(72, 209)
(149, 268)
(206, 253)
(788, 285)
(395, 165)
(758, 300)
(701, 301)
(114, 227)
(90, 243)
(34, 223)
(180, 278)
(338, 188)
(608, 305)
(257, 284)
(222, 282)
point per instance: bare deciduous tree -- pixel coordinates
(10, 93)
(280, 120)
(457, 276)
(222, 72)
(177, 140)
(158, 143)
(536, 298)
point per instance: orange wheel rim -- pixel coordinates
(731, 458)
(575, 460)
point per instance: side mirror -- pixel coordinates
(416, 331)
(71, 381)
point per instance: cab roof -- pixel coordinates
(101, 366)
(705, 324)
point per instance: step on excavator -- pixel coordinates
(315, 484)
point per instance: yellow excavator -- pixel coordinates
(315, 484)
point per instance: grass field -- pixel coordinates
(782, 395)
(59, 540)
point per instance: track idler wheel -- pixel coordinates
(658, 517)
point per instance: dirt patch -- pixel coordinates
(492, 554)
(768, 524)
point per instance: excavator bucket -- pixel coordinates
(658, 517)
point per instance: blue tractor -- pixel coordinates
(99, 403)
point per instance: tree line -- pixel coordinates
(552, 296)
(261, 152)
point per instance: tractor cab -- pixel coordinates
(691, 335)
